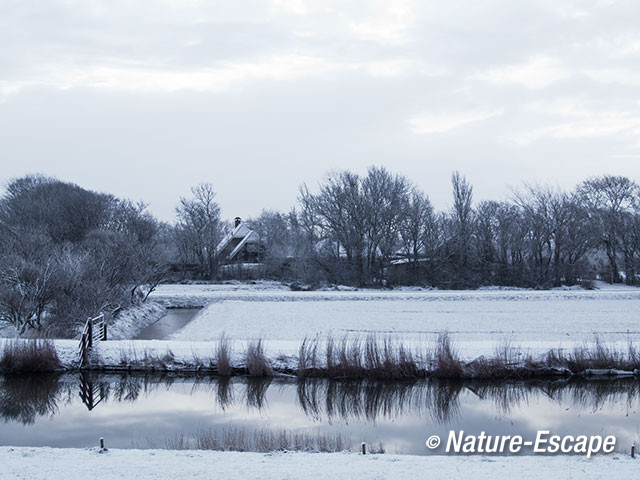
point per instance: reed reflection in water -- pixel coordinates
(131, 408)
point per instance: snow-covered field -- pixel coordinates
(477, 320)
(72, 464)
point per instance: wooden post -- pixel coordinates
(104, 330)
(364, 448)
(90, 334)
(633, 450)
(101, 443)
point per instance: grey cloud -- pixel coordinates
(145, 99)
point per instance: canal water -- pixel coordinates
(174, 320)
(141, 411)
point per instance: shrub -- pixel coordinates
(33, 355)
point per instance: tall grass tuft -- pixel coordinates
(308, 363)
(596, 356)
(29, 356)
(256, 361)
(354, 358)
(223, 357)
(447, 360)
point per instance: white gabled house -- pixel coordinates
(241, 245)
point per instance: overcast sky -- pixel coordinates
(144, 99)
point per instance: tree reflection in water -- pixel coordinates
(24, 398)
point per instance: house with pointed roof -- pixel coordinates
(240, 245)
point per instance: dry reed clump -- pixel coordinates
(596, 356)
(266, 440)
(32, 355)
(223, 357)
(308, 361)
(446, 358)
(506, 362)
(387, 358)
(256, 361)
(353, 358)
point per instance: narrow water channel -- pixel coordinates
(174, 320)
(138, 411)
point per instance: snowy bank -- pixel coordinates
(72, 464)
(131, 321)
(373, 357)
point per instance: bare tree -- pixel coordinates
(462, 225)
(416, 233)
(199, 229)
(608, 199)
(486, 228)
(336, 220)
(357, 221)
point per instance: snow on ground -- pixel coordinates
(72, 464)
(477, 320)
(130, 321)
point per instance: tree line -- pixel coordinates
(379, 229)
(69, 252)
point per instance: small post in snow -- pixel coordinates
(633, 450)
(102, 447)
(364, 448)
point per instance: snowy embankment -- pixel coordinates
(527, 323)
(71, 464)
(478, 321)
(130, 321)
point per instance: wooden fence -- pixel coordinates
(94, 331)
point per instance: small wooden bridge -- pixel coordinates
(95, 330)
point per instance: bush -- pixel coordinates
(29, 356)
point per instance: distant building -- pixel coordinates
(241, 245)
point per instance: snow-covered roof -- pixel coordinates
(242, 232)
(251, 235)
(403, 261)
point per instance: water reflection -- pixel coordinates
(371, 400)
(126, 408)
(24, 398)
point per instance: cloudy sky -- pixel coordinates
(147, 98)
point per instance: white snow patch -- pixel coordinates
(130, 321)
(81, 464)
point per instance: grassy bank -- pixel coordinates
(375, 357)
